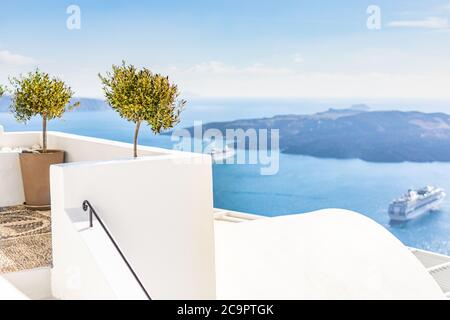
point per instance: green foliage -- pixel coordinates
(1, 91)
(142, 96)
(39, 94)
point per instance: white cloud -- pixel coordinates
(217, 79)
(428, 23)
(211, 66)
(220, 68)
(9, 58)
(297, 58)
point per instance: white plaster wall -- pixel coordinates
(9, 292)
(19, 139)
(33, 284)
(75, 275)
(11, 188)
(159, 209)
(328, 254)
(77, 149)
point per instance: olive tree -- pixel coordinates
(142, 96)
(38, 94)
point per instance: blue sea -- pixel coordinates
(303, 184)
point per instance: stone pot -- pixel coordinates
(36, 176)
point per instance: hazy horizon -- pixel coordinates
(255, 48)
(422, 105)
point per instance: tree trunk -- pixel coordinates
(44, 134)
(135, 141)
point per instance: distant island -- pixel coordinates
(86, 104)
(357, 133)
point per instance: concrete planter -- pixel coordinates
(36, 176)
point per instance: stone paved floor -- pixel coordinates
(25, 239)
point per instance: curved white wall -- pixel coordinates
(329, 254)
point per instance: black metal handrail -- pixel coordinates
(86, 206)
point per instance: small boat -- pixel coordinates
(415, 203)
(220, 154)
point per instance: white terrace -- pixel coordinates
(159, 211)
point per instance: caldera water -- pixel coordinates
(303, 184)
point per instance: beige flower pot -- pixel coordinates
(36, 176)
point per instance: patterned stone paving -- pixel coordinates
(25, 239)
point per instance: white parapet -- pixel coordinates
(77, 148)
(11, 188)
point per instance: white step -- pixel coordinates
(442, 276)
(30, 284)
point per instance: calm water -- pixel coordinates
(303, 184)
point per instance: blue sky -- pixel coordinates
(239, 48)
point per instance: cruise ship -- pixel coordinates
(416, 203)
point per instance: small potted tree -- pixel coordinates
(38, 94)
(142, 96)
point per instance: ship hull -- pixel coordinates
(221, 156)
(433, 206)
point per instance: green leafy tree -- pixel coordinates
(1, 91)
(142, 96)
(38, 94)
